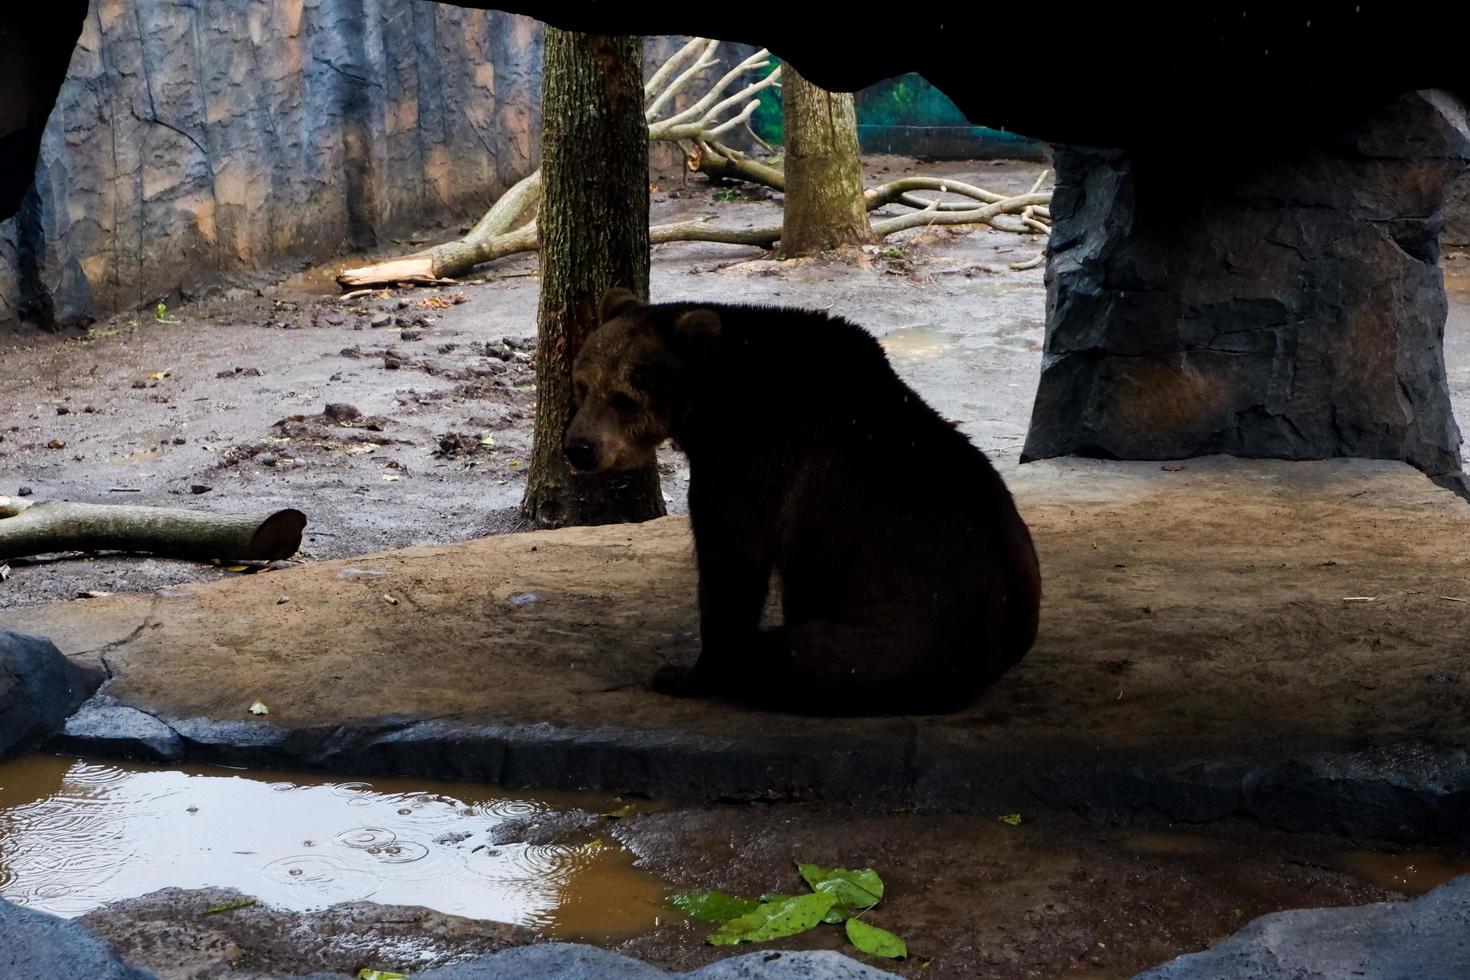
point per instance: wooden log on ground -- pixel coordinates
(45, 527)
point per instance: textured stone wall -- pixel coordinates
(193, 140)
(1293, 308)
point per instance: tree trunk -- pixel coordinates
(824, 175)
(593, 229)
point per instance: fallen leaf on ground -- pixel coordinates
(1014, 819)
(259, 708)
(854, 890)
(228, 906)
(775, 920)
(875, 941)
(717, 907)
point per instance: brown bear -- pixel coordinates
(909, 582)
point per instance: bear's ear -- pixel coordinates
(616, 301)
(697, 330)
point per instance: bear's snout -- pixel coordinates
(581, 453)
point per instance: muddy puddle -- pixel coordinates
(929, 342)
(1405, 872)
(76, 834)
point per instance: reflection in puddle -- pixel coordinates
(1413, 872)
(920, 343)
(926, 341)
(75, 835)
(1410, 873)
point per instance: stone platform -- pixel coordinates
(1280, 640)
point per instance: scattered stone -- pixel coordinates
(572, 960)
(341, 412)
(39, 688)
(1427, 939)
(380, 320)
(24, 492)
(197, 488)
(103, 725)
(411, 335)
(34, 944)
(169, 931)
(62, 410)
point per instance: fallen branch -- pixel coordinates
(969, 216)
(722, 163)
(32, 528)
(489, 239)
(698, 129)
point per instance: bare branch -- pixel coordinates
(706, 60)
(699, 109)
(666, 70)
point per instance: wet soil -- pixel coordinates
(228, 393)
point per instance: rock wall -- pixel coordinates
(1292, 308)
(194, 140)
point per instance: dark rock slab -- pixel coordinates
(36, 945)
(38, 689)
(1426, 939)
(1291, 309)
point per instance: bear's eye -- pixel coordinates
(580, 390)
(623, 403)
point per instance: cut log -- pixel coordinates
(37, 528)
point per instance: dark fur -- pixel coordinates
(908, 580)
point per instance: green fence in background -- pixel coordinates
(910, 117)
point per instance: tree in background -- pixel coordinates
(824, 205)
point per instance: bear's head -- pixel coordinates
(630, 381)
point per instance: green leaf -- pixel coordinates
(366, 974)
(239, 903)
(718, 907)
(854, 890)
(875, 941)
(836, 915)
(774, 920)
(1014, 819)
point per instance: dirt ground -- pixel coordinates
(145, 411)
